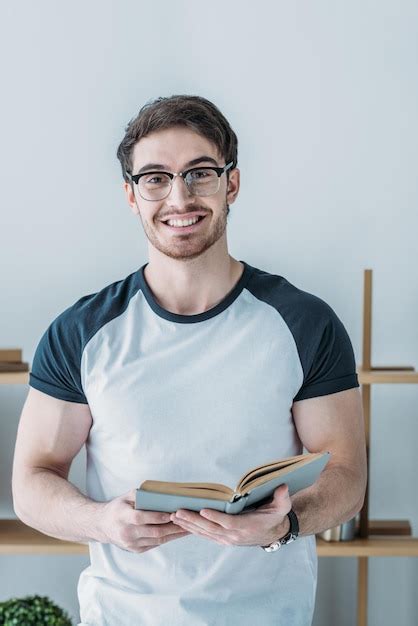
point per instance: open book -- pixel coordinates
(255, 487)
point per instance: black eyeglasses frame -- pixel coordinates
(219, 171)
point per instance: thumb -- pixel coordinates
(129, 496)
(281, 495)
(279, 501)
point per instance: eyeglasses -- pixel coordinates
(200, 181)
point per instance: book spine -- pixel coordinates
(236, 504)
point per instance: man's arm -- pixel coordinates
(331, 423)
(51, 432)
(335, 423)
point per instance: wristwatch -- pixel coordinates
(291, 535)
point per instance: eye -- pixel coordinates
(201, 173)
(155, 179)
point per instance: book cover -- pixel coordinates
(255, 488)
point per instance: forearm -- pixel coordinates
(54, 506)
(336, 497)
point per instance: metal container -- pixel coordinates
(343, 532)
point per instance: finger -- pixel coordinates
(156, 530)
(138, 517)
(282, 491)
(228, 522)
(150, 517)
(196, 530)
(199, 520)
(143, 544)
(215, 538)
(211, 516)
(280, 501)
(177, 535)
(130, 496)
(218, 533)
(281, 498)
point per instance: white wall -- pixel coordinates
(323, 98)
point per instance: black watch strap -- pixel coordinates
(291, 535)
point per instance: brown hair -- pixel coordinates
(195, 112)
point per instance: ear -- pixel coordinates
(130, 196)
(233, 185)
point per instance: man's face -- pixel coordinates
(175, 148)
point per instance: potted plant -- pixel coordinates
(32, 611)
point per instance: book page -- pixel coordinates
(269, 467)
(265, 473)
(201, 490)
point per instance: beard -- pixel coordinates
(187, 246)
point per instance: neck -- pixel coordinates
(192, 287)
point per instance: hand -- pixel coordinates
(134, 530)
(260, 527)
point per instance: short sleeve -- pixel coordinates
(328, 358)
(56, 363)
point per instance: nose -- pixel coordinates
(179, 193)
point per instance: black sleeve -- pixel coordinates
(56, 364)
(327, 356)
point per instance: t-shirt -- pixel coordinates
(194, 398)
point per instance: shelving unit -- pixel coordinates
(17, 538)
(375, 538)
(371, 375)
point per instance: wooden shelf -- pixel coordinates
(372, 546)
(385, 375)
(17, 538)
(366, 377)
(14, 378)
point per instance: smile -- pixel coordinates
(186, 229)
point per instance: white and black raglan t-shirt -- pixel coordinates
(192, 398)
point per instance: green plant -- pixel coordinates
(32, 611)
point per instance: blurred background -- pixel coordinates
(323, 97)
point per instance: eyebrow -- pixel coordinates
(159, 166)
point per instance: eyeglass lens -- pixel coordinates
(157, 185)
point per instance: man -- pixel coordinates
(196, 367)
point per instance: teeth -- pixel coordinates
(183, 222)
